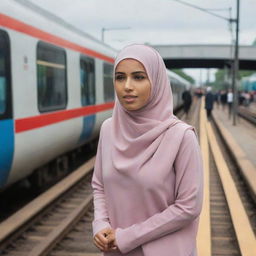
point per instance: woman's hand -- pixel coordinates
(112, 239)
(105, 240)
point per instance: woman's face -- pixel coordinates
(132, 84)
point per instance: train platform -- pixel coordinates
(241, 142)
(252, 107)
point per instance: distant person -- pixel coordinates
(187, 100)
(209, 100)
(247, 98)
(240, 98)
(230, 101)
(198, 92)
(251, 96)
(223, 98)
(217, 98)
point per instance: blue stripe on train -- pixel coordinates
(88, 125)
(6, 149)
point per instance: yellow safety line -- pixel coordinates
(50, 64)
(204, 246)
(243, 229)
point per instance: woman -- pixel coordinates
(147, 180)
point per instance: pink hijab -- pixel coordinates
(138, 134)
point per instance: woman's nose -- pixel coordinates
(128, 85)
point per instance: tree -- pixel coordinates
(220, 83)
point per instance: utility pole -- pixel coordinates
(200, 78)
(235, 63)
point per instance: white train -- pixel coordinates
(55, 91)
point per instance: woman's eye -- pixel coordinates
(119, 77)
(139, 77)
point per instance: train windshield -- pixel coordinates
(3, 71)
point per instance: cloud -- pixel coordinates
(152, 20)
(155, 21)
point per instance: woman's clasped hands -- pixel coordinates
(105, 240)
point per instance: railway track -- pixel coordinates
(36, 229)
(247, 114)
(20, 194)
(223, 238)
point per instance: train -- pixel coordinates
(248, 83)
(56, 89)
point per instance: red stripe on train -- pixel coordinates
(29, 123)
(22, 27)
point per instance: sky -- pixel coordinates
(158, 22)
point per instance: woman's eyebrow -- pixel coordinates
(135, 72)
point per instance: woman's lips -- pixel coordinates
(129, 98)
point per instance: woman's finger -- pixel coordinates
(113, 248)
(103, 249)
(102, 237)
(111, 238)
(98, 245)
(99, 241)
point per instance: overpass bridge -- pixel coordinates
(206, 56)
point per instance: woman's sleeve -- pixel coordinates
(187, 205)
(101, 219)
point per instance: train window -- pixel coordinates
(87, 78)
(51, 77)
(109, 94)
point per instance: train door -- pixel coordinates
(87, 80)
(6, 113)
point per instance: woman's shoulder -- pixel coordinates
(183, 127)
(189, 134)
(106, 126)
(185, 131)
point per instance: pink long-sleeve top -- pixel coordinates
(154, 212)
